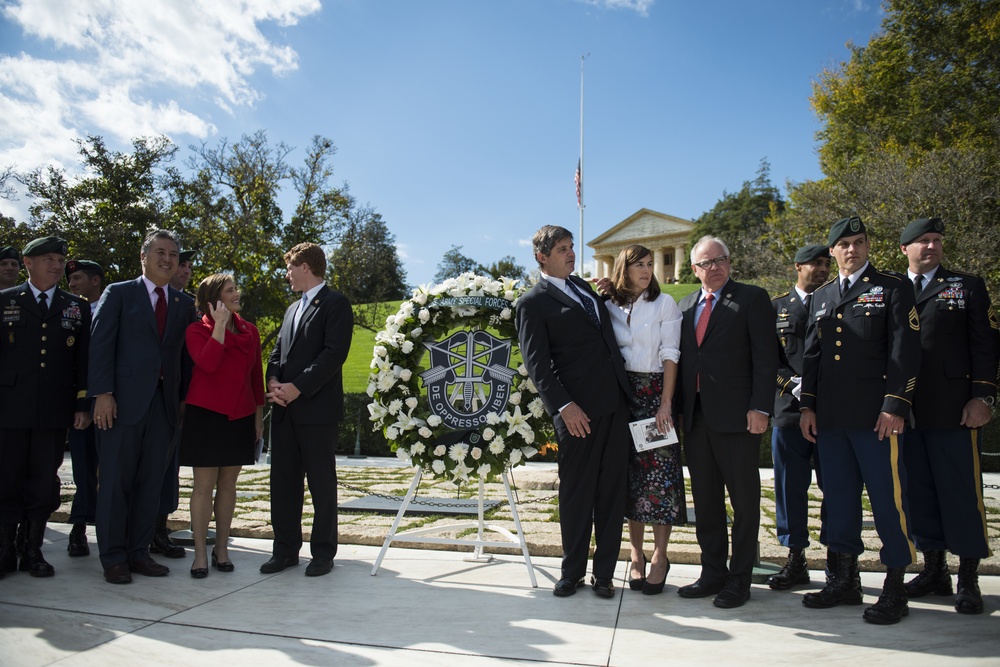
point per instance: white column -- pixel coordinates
(680, 258)
(658, 264)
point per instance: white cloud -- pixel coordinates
(524, 243)
(640, 7)
(120, 66)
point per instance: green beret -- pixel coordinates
(186, 256)
(9, 252)
(808, 253)
(92, 268)
(919, 227)
(845, 227)
(44, 246)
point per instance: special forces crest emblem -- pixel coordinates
(469, 377)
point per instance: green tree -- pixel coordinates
(366, 267)
(505, 267)
(453, 264)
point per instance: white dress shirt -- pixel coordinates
(651, 336)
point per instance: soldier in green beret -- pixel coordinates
(10, 266)
(44, 337)
(956, 388)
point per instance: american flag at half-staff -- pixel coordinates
(578, 179)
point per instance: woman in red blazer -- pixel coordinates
(224, 415)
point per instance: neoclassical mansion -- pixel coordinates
(666, 235)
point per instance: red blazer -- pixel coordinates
(229, 378)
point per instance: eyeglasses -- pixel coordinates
(709, 263)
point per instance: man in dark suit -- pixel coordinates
(305, 384)
(137, 379)
(956, 388)
(729, 358)
(569, 349)
(794, 457)
(43, 375)
(85, 280)
(10, 266)
(858, 380)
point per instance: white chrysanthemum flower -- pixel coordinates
(406, 308)
(438, 467)
(493, 418)
(476, 453)
(425, 432)
(530, 386)
(515, 398)
(536, 408)
(497, 446)
(433, 421)
(488, 434)
(515, 456)
(458, 451)
(395, 406)
(391, 433)
(484, 470)
(417, 449)
(440, 450)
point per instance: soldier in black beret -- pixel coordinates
(794, 456)
(858, 381)
(10, 266)
(85, 280)
(956, 390)
(43, 356)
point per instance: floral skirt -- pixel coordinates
(655, 477)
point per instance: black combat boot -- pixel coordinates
(891, 605)
(793, 573)
(78, 541)
(969, 600)
(33, 561)
(843, 585)
(161, 541)
(933, 579)
(8, 554)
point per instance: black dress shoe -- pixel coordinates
(78, 541)
(604, 588)
(199, 572)
(566, 587)
(701, 589)
(118, 574)
(734, 594)
(148, 567)
(278, 563)
(319, 566)
(225, 566)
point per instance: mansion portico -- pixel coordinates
(666, 235)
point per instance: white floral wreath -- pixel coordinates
(402, 411)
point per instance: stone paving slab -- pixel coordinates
(535, 487)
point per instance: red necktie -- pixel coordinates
(161, 311)
(706, 312)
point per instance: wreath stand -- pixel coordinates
(478, 543)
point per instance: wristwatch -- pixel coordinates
(988, 400)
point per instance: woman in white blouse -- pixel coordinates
(647, 325)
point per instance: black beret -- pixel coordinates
(845, 227)
(44, 246)
(9, 252)
(74, 265)
(808, 253)
(919, 227)
(186, 256)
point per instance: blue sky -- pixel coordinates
(458, 120)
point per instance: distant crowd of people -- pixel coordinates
(872, 380)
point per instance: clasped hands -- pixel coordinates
(281, 393)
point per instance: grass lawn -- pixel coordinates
(357, 366)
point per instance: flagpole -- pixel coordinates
(580, 204)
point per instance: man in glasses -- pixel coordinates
(859, 376)
(729, 359)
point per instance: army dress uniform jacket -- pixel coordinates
(43, 359)
(791, 319)
(863, 349)
(961, 348)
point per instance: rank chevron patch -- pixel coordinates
(914, 319)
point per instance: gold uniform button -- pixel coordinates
(44, 338)
(43, 364)
(838, 343)
(839, 330)
(840, 316)
(45, 326)
(837, 357)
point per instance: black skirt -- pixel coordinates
(211, 440)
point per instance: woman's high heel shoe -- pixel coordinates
(655, 589)
(199, 572)
(638, 584)
(227, 566)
